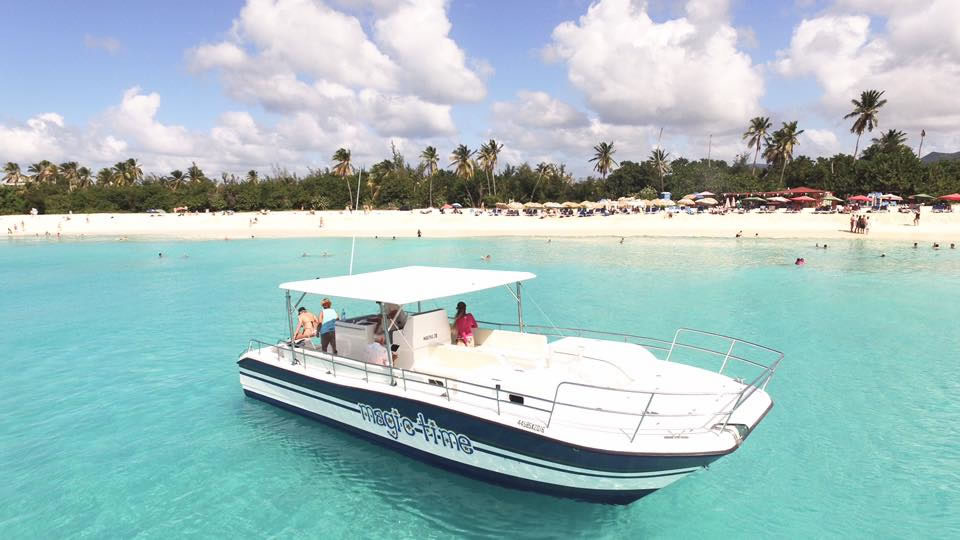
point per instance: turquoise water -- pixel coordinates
(123, 415)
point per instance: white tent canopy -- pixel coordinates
(408, 284)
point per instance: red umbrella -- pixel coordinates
(446, 207)
(954, 197)
(859, 198)
(803, 198)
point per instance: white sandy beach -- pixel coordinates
(943, 228)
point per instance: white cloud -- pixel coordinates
(39, 138)
(683, 72)
(539, 110)
(106, 43)
(914, 57)
(296, 57)
(135, 116)
(819, 142)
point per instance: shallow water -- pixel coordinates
(123, 414)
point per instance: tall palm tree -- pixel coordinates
(865, 111)
(604, 158)
(121, 172)
(134, 171)
(84, 178)
(430, 160)
(195, 174)
(780, 146)
(106, 176)
(543, 169)
(177, 179)
(12, 174)
(891, 139)
(252, 176)
(488, 160)
(462, 161)
(343, 168)
(923, 133)
(43, 171)
(69, 171)
(755, 135)
(660, 161)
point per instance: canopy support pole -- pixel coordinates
(293, 357)
(519, 307)
(385, 323)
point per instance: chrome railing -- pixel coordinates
(672, 350)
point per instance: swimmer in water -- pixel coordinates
(485, 258)
(621, 239)
(160, 255)
(800, 261)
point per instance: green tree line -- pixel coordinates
(472, 177)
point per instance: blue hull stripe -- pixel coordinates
(592, 495)
(493, 434)
(485, 450)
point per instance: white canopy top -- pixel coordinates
(407, 284)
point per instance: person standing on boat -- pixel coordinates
(464, 323)
(396, 319)
(307, 325)
(328, 326)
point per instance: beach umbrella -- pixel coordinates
(532, 205)
(755, 199)
(552, 205)
(571, 204)
(691, 196)
(803, 198)
(953, 197)
(685, 202)
(515, 206)
(447, 206)
(706, 194)
(457, 205)
(891, 197)
(777, 200)
(859, 198)
(664, 202)
(709, 201)
(921, 196)
(501, 205)
(832, 198)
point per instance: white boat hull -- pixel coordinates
(468, 444)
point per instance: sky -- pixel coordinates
(261, 84)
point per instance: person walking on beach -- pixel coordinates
(916, 217)
(328, 326)
(866, 225)
(853, 222)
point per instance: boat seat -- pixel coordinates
(439, 358)
(521, 350)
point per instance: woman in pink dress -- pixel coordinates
(464, 323)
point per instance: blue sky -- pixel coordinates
(133, 77)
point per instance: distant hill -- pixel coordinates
(934, 157)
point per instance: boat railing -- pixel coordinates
(672, 350)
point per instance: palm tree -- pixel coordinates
(343, 168)
(134, 171)
(488, 160)
(430, 160)
(195, 174)
(69, 172)
(84, 177)
(252, 176)
(604, 158)
(865, 111)
(43, 171)
(177, 179)
(755, 135)
(106, 176)
(461, 160)
(543, 169)
(12, 174)
(780, 146)
(890, 140)
(121, 173)
(660, 162)
(923, 133)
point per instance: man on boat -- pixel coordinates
(376, 353)
(396, 317)
(307, 325)
(328, 325)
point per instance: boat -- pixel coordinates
(586, 414)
